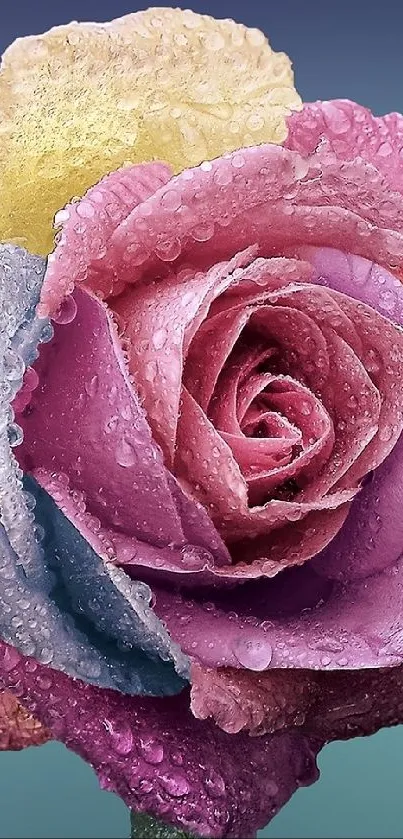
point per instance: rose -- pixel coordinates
(87, 445)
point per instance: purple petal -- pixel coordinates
(163, 761)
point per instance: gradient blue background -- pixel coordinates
(340, 49)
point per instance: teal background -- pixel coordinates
(347, 48)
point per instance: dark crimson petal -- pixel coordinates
(259, 703)
(335, 705)
(163, 761)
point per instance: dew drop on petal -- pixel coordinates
(152, 751)
(125, 454)
(253, 654)
(66, 311)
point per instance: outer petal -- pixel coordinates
(103, 444)
(337, 705)
(239, 700)
(34, 614)
(161, 760)
(162, 84)
(113, 611)
(18, 728)
(274, 197)
(89, 424)
(349, 131)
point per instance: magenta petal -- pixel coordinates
(163, 761)
(88, 424)
(372, 539)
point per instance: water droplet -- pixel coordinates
(15, 435)
(195, 558)
(150, 371)
(171, 200)
(44, 681)
(305, 408)
(253, 654)
(203, 232)
(66, 311)
(175, 784)
(121, 736)
(238, 160)
(152, 751)
(125, 454)
(159, 337)
(92, 386)
(61, 217)
(168, 251)
(84, 209)
(386, 433)
(214, 784)
(145, 786)
(10, 659)
(177, 758)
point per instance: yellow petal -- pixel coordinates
(164, 84)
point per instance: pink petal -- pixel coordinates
(205, 462)
(350, 131)
(259, 703)
(104, 433)
(87, 226)
(102, 442)
(159, 320)
(160, 759)
(274, 197)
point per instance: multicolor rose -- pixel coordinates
(201, 415)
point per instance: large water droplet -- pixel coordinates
(152, 751)
(214, 784)
(253, 654)
(195, 558)
(159, 337)
(125, 454)
(121, 736)
(175, 784)
(66, 311)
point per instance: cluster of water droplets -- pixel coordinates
(20, 332)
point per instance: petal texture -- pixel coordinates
(18, 728)
(165, 84)
(163, 761)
